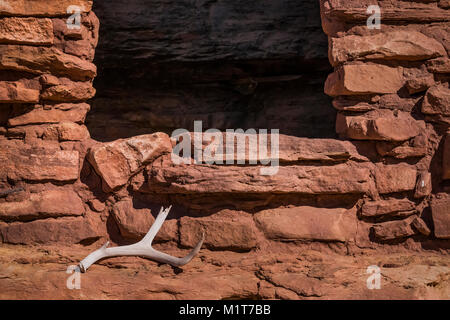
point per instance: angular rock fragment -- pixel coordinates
(361, 79)
(421, 226)
(437, 101)
(117, 161)
(420, 84)
(224, 230)
(440, 65)
(396, 45)
(50, 203)
(307, 223)
(416, 147)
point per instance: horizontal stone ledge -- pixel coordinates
(50, 203)
(31, 31)
(397, 45)
(291, 149)
(43, 60)
(44, 8)
(307, 224)
(167, 177)
(117, 161)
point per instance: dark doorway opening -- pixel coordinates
(232, 64)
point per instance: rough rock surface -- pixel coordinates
(363, 177)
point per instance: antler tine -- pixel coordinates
(142, 248)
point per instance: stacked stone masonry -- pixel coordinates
(385, 181)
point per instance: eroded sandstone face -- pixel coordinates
(364, 170)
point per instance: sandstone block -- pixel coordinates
(421, 226)
(379, 125)
(135, 223)
(446, 158)
(392, 208)
(69, 92)
(42, 60)
(223, 230)
(41, 7)
(440, 211)
(32, 31)
(17, 92)
(393, 230)
(359, 79)
(395, 178)
(307, 223)
(117, 161)
(52, 114)
(166, 177)
(50, 203)
(437, 101)
(20, 162)
(396, 45)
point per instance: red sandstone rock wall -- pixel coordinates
(383, 183)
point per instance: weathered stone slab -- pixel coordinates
(26, 31)
(69, 92)
(307, 223)
(117, 161)
(50, 203)
(440, 210)
(393, 230)
(395, 178)
(20, 162)
(41, 7)
(397, 45)
(360, 79)
(223, 230)
(135, 223)
(379, 125)
(437, 101)
(17, 92)
(40, 60)
(52, 114)
(391, 207)
(166, 177)
(69, 230)
(446, 158)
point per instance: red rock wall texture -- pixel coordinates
(384, 183)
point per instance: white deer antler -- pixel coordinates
(142, 248)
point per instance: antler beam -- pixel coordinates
(142, 248)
